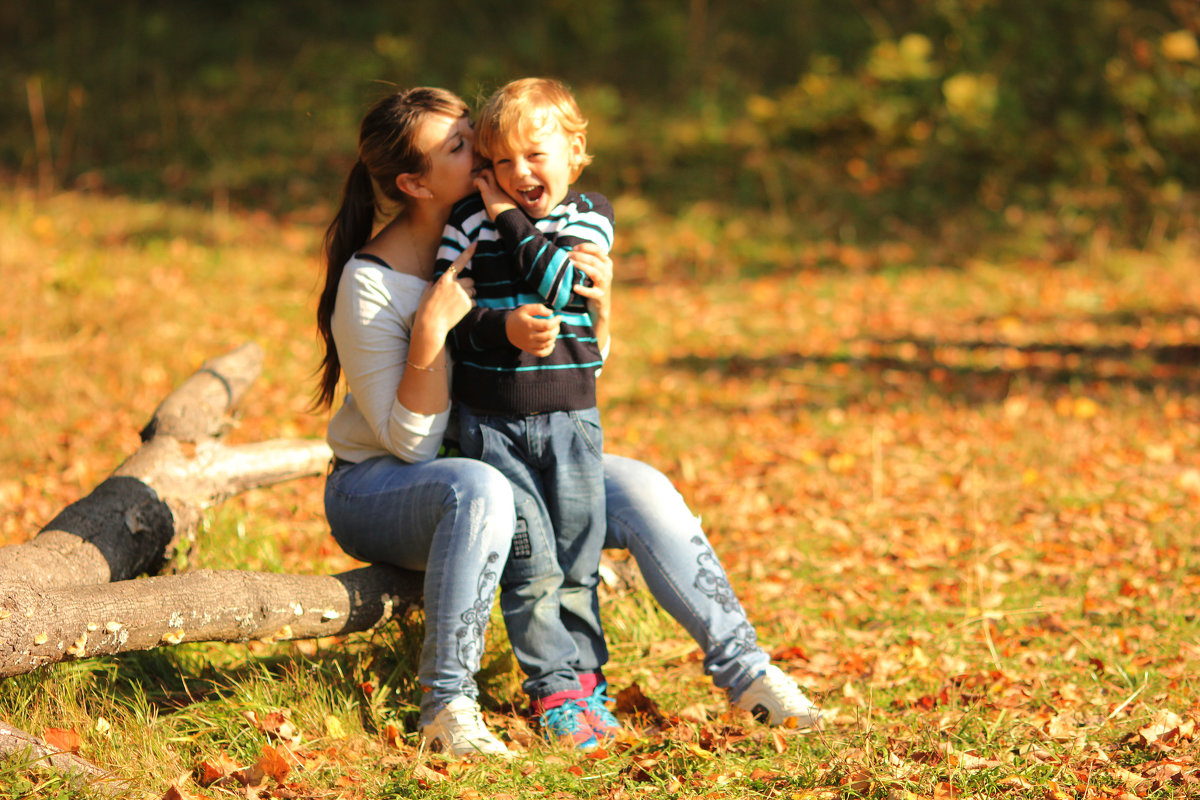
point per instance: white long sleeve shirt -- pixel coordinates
(372, 326)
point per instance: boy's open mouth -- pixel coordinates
(534, 194)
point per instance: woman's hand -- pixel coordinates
(533, 328)
(443, 303)
(494, 198)
(424, 385)
(597, 265)
(448, 299)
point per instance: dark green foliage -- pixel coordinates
(862, 115)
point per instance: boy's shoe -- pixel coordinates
(566, 723)
(459, 730)
(595, 710)
(774, 698)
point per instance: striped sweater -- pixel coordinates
(519, 260)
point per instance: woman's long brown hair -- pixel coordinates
(387, 148)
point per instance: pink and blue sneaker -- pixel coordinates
(604, 723)
(562, 719)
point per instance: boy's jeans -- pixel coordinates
(452, 518)
(548, 589)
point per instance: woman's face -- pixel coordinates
(449, 143)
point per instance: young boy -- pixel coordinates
(534, 417)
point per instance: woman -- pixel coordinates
(390, 500)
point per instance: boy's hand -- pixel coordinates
(494, 198)
(533, 328)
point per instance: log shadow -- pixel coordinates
(973, 370)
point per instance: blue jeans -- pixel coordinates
(451, 518)
(548, 589)
(648, 517)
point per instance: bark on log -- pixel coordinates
(150, 507)
(40, 626)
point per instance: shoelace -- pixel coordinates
(561, 720)
(787, 691)
(596, 704)
(469, 722)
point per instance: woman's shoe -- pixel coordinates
(459, 730)
(774, 698)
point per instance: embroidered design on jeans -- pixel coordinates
(745, 638)
(475, 618)
(711, 580)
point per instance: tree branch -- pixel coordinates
(46, 626)
(151, 506)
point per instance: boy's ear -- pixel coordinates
(578, 148)
(413, 185)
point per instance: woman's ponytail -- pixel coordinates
(387, 148)
(349, 230)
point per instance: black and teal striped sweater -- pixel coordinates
(519, 260)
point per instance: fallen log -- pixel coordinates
(72, 592)
(44, 626)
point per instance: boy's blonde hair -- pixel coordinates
(525, 107)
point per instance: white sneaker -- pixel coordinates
(458, 730)
(774, 698)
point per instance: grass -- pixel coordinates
(959, 503)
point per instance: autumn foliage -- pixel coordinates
(960, 503)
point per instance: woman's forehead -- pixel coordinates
(438, 129)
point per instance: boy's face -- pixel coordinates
(536, 169)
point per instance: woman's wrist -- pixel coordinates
(426, 354)
(435, 367)
(436, 362)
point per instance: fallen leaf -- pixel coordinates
(1055, 792)
(427, 776)
(631, 700)
(1166, 730)
(212, 770)
(393, 735)
(253, 775)
(176, 791)
(696, 713)
(333, 727)
(1085, 408)
(857, 781)
(65, 740)
(277, 725)
(275, 762)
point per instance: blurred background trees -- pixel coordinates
(863, 120)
